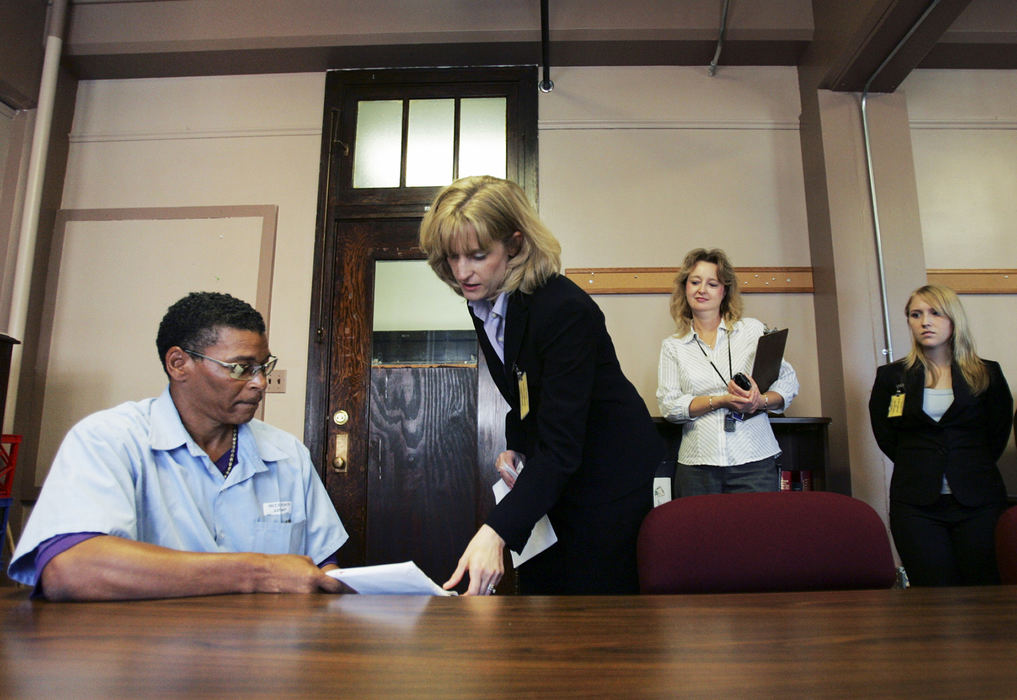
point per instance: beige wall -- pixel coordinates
(190, 142)
(964, 137)
(637, 165)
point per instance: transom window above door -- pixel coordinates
(428, 142)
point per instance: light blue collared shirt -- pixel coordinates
(492, 315)
(133, 471)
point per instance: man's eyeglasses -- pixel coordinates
(238, 371)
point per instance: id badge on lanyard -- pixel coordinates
(524, 394)
(896, 403)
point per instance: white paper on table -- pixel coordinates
(542, 535)
(405, 578)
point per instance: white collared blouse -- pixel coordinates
(685, 372)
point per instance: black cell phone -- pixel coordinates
(741, 380)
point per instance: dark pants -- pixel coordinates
(946, 544)
(596, 549)
(695, 480)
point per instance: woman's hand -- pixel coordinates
(745, 401)
(508, 464)
(483, 560)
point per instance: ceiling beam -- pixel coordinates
(888, 24)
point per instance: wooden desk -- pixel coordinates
(921, 643)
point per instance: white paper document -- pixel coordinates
(405, 578)
(542, 535)
(661, 490)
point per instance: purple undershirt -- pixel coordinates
(58, 544)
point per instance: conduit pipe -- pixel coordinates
(888, 350)
(546, 84)
(720, 39)
(33, 199)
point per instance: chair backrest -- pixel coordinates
(1006, 546)
(746, 542)
(9, 445)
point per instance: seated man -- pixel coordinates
(185, 494)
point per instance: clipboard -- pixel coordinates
(769, 353)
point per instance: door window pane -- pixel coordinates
(429, 143)
(378, 151)
(409, 296)
(482, 136)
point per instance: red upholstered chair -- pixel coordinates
(1006, 546)
(746, 542)
(9, 445)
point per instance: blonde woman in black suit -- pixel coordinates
(942, 414)
(587, 440)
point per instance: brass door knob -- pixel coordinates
(341, 454)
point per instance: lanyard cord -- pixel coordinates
(729, 367)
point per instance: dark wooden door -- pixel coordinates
(405, 486)
(423, 477)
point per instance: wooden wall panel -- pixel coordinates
(774, 280)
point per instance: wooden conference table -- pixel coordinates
(921, 643)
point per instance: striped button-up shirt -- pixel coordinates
(685, 373)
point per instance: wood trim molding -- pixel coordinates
(665, 125)
(80, 137)
(973, 281)
(659, 280)
(774, 280)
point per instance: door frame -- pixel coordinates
(338, 202)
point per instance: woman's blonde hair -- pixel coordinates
(494, 209)
(730, 305)
(962, 346)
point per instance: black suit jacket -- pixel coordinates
(965, 444)
(588, 438)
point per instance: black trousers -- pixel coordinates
(946, 543)
(596, 549)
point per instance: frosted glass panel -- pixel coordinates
(378, 150)
(409, 296)
(482, 136)
(429, 143)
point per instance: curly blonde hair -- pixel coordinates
(730, 305)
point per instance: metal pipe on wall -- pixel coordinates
(720, 39)
(888, 339)
(546, 84)
(33, 198)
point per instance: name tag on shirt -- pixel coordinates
(896, 406)
(277, 508)
(524, 395)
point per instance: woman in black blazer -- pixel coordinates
(942, 414)
(575, 422)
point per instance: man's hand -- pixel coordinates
(294, 573)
